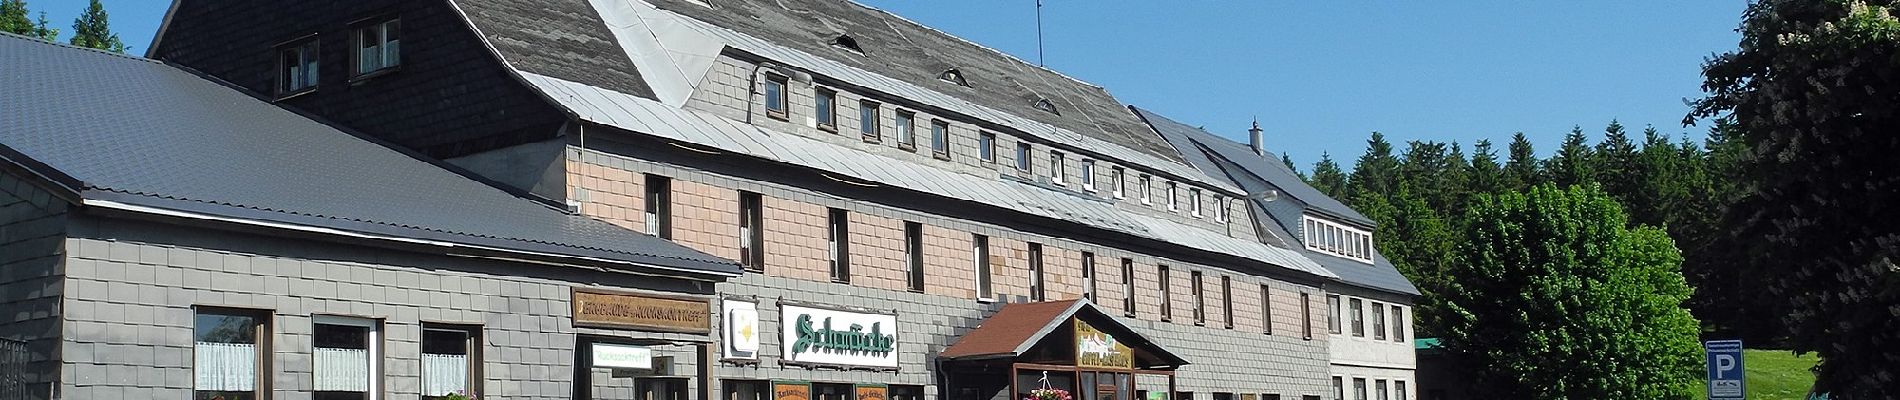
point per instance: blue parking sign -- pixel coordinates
(1725, 369)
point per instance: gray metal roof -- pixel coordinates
(136, 132)
(1204, 150)
(647, 116)
(1264, 167)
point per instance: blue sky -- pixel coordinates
(1322, 75)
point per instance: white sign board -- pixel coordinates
(741, 329)
(825, 336)
(622, 356)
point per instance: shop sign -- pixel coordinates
(1097, 349)
(643, 312)
(824, 336)
(791, 391)
(622, 356)
(741, 329)
(872, 392)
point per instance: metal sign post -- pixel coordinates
(1725, 369)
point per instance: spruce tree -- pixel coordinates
(1616, 165)
(1521, 167)
(1288, 160)
(1573, 164)
(13, 20)
(1486, 176)
(91, 29)
(1376, 171)
(1328, 178)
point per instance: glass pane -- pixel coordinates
(225, 356)
(903, 129)
(445, 362)
(824, 108)
(867, 119)
(369, 52)
(293, 70)
(309, 65)
(938, 133)
(774, 92)
(341, 362)
(392, 43)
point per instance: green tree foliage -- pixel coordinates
(1615, 164)
(1328, 178)
(90, 29)
(13, 20)
(1486, 175)
(1288, 160)
(1416, 239)
(1814, 91)
(1377, 171)
(1573, 164)
(1521, 167)
(1556, 297)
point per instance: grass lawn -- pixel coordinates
(1777, 374)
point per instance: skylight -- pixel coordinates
(848, 43)
(1046, 106)
(954, 76)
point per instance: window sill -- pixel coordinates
(298, 93)
(778, 115)
(828, 128)
(985, 300)
(907, 147)
(872, 139)
(359, 78)
(941, 156)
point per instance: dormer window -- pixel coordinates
(954, 76)
(848, 43)
(1337, 239)
(378, 46)
(1046, 106)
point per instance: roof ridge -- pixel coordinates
(978, 45)
(392, 224)
(11, 35)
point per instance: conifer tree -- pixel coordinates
(1376, 171)
(1328, 178)
(1573, 164)
(92, 30)
(1521, 167)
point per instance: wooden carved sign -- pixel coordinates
(643, 312)
(791, 391)
(871, 392)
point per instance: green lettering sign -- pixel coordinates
(853, 341)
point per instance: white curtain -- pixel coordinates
(444, 373)
(343, 370)
(225, 366)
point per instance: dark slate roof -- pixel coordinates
(137, 132)
(904, 50)
(1190, 139)
(1221, 157)
(560, 38)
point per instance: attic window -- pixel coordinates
(848, 43)
(1046, 106)
(954, 76)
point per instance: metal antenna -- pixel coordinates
(1039, 62)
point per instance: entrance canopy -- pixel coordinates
(1068, 332)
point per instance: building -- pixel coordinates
(168, 236)
(867, 171)
(1369, 307)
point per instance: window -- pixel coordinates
(940, 139)
(1398, 323)
(1227, 301)
(954, 77)
(1088, 275)
(1115, 179)
(867, 121)
(1399, 392)
(839, 238)
(1339, 388)
(1088, 174)
(1337, 239)
(1174, 203)
(451, 360)
(1200, 303)
(906, 122)
(981, 250)
(776, 97)
(1194, 201)
(378, 46)
(1378, 320)
(346, 358)
(833, 391)
(914, 254)
(1145, 183)
(905, 392)
(1056, 169)
(1358, 318)
(231, 354)
(1332, 307)
(1167, 295)
(986, 147)
(297, 67)
(1220, 208)
(1046, 106)
(747, 389)
(1266, 310)
(825, 107)
(1359, 388)
(659, 203)
(1022, 157)
(752, 231)
(1128, 287)
(1038, 290)
(1379, 389)
(1306, 316)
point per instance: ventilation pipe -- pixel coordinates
(1254, 139)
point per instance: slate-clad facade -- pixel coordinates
(737, 129)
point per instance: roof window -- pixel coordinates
(953, 76)
(1046, 106)
(848, 43)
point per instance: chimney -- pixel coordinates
(1254, 139)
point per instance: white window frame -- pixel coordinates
(375, 346)
(1221, 209)
(1146, 181)
(1194, 200)
(1174, 200)
(1325, 236)
(1056, 168)
(387, 57)
(1088, 174)
(1119, 177)
(985, 272)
